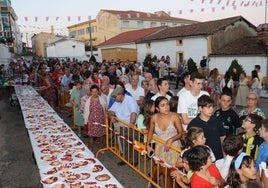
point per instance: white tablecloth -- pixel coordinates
(62, 158)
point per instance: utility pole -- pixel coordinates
(265, 12)
(90, 39)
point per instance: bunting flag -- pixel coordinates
(69, 18)
(191, 10)
(26, 18)
(202, 9)
(79, 18)
(227, 3)
(211, 1)
(202, 1)
(35, 19)
(47, 18)
(260, 3)
(222, 8)
(57, 18)
(219, 2)
(233, 4)
(180, 11)
(213, 9)
(234, 7)
(89, 18)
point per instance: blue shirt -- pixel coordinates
(262, 155)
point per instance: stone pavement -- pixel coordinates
(17, 166)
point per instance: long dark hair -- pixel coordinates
(233, 179)
(146, 112)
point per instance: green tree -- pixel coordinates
(191, 65)
(146, 60)
(92, 59)
(235, 64)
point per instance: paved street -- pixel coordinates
(17, 166)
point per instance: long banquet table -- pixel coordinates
(62, 158)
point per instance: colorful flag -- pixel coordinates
(79, 18)
(211, 1)
(180, 11)
(191, 10)
(227, 3)
(47, 18)
(69, 18)
(234, 7)
(219, 2)
(35, 19)
(57, 18)
(241, 4)
(203, 1)
(213, 9)
(222, 8)
(26, 18)
(202, 9)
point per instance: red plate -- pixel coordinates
(111, 186)
(84, 175)
(90, 160)
(51, 171)
(82, 163)
(49, 158)
(102, 177)
(97, 168)
(72, 177)
(49, 180)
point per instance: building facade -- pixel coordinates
(39, 42)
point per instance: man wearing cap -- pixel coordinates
(124, 108)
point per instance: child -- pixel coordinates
(242, 169)
(252, 141)
(75, 101)
(183, 177)
(205, 173)
(263, 148)
(211, 125)
(232, 146)
(228, 116)
(194, 137)
(143, 120)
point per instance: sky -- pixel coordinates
(35, 16)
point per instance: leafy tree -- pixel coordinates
(146, 60)
(235, 64)
(191, 65)
(92, 59)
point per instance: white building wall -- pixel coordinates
(247, 62)
(66, 49)
(193, 47)
(5, 55)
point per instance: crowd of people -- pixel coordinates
(220, 147)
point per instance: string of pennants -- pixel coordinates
(215, 6)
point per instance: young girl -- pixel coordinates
(194, 137)
(205, 173)
(75, 101)
(143, 120)
(167, 126)
(241, 170)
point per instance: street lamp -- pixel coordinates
(73, 50)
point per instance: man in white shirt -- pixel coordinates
(136, 91)
(187, 106)
(163, 89)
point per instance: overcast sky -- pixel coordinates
(35, 16)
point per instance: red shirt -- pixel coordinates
(198, 182)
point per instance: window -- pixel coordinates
(140, 24)
(125, 23)
(148, 45)
(81, 32)
(174, 24)
(179, 42)
(163, 24)
(92, 29)
(72, 33)
(153, 24)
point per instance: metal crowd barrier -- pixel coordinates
(128, 144)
